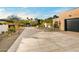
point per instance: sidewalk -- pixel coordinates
(26, 33)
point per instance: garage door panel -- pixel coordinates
(72, 24)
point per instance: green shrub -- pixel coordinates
(3, 32)
(12, 29)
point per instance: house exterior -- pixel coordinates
(3, 26)
(66, 17)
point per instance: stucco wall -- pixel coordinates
(68, 14)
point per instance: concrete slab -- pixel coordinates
(33, 40)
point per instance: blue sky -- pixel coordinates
(39, 12)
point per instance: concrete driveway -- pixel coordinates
(34, 40)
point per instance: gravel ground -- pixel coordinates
(7, 41)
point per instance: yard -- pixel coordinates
(7, 39)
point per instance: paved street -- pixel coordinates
(34, 40)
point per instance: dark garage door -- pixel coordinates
(72, 24)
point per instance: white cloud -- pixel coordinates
(63, 9)
(24, 15)
(3, 13)
(2, 9)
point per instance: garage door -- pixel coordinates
(72, 24)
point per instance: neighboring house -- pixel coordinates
(68, 20)
(3, 26)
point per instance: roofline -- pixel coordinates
(68, 10)
(72, 18)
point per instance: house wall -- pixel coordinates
(3, 28)
(68, 14)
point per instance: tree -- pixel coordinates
(38, 21)
(55, 16)
(13, 17)
(56, 22)
(31, 18)
(49, 20)
(28, 18)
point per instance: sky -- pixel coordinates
(32, 12)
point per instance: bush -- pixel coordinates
(12, 29)
(56, 25)
(3, 32)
